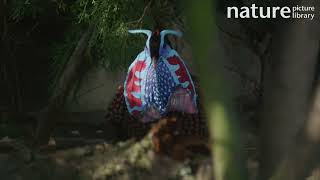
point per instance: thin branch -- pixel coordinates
(90, 90)
(243, 76)
(256, 49)
(139, 21)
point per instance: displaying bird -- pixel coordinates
(158, 80)
(158, 87)
(130, 126)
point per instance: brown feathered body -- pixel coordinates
(173, 134)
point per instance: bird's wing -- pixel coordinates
(181, 75)
(135, 82)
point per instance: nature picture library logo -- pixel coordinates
(254, 11)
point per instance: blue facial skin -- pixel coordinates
(159, 86)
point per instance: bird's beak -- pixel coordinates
(154, 61)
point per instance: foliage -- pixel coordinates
(61, 53)
(110, 44)
(21, 9)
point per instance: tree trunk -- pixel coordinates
(75, 68)
(288, 87)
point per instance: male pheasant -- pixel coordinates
(159, 94)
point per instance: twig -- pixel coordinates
(90, 90)
(139, 21)
(244, 76)
(256, 49)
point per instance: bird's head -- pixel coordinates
(154, 45)
(157, 40)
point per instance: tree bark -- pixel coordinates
(304, 154)
(288, 87)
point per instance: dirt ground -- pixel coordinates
(88, 152)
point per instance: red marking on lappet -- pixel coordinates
(132, 87)
(182, 72)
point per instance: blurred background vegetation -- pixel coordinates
(45, 33)
(259, 77)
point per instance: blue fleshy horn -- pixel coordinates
(142, 31)
(165, 32)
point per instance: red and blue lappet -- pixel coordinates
(158, 80)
